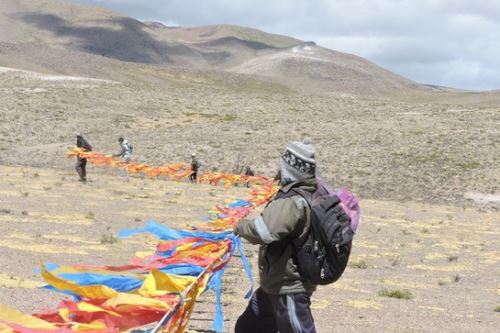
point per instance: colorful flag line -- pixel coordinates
(176, 171)
(160, 288)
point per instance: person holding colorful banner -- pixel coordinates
(249, 173)
(81, 163)
(195, 166)
(282, 303)
(126, 155)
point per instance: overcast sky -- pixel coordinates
(453, 43)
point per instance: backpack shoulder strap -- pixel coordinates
(289, 194)
(312, 198)
(299, 240)
(305, 194)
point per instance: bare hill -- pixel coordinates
(103, 32)
(55, 36)
(88, 30)
(222, 31)
(314, 68)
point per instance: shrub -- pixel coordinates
(229, 117)
(400, 294)
(108, 239)
(361, 264)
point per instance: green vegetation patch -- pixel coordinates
(90, 216)
(469, 165)
(361, 264)
(229, 117)
(108, 239)
(224, 117)
(397, 293)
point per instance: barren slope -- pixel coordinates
(301, 66)
(103, 32)
(55, 36)
(381, 149)
(312, 68)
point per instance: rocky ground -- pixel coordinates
(439, 263)
(427, 172)
(384, 149)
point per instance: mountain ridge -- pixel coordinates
(93, 38)
(302, 66)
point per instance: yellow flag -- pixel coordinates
(92, 292)
(10, 315)
(5, 329)
(158, 283)
(123, 301)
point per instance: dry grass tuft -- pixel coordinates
(361, 264)
(108, 239)
(397, 293)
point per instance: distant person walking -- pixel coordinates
(81, 163)
(248, 172)
(195, 166)
(125, 153)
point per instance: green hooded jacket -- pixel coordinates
(282, 222)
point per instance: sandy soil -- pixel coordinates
(447, 257)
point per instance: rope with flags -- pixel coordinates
(160, 289)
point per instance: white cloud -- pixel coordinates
(452, 42)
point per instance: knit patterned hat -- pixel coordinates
(298, 162)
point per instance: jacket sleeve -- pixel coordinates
(121, 153)
(86, 145)
(281, 219)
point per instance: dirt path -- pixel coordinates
(448, 258)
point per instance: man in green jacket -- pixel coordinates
(282, 303)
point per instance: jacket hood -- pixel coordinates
(308, 184)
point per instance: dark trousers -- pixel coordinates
(192, 177)
(81, 164)
(290, 313)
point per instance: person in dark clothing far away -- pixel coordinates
(248, 172)
(282, 302)
(81, 163)
(126, 155)
(195, 166)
